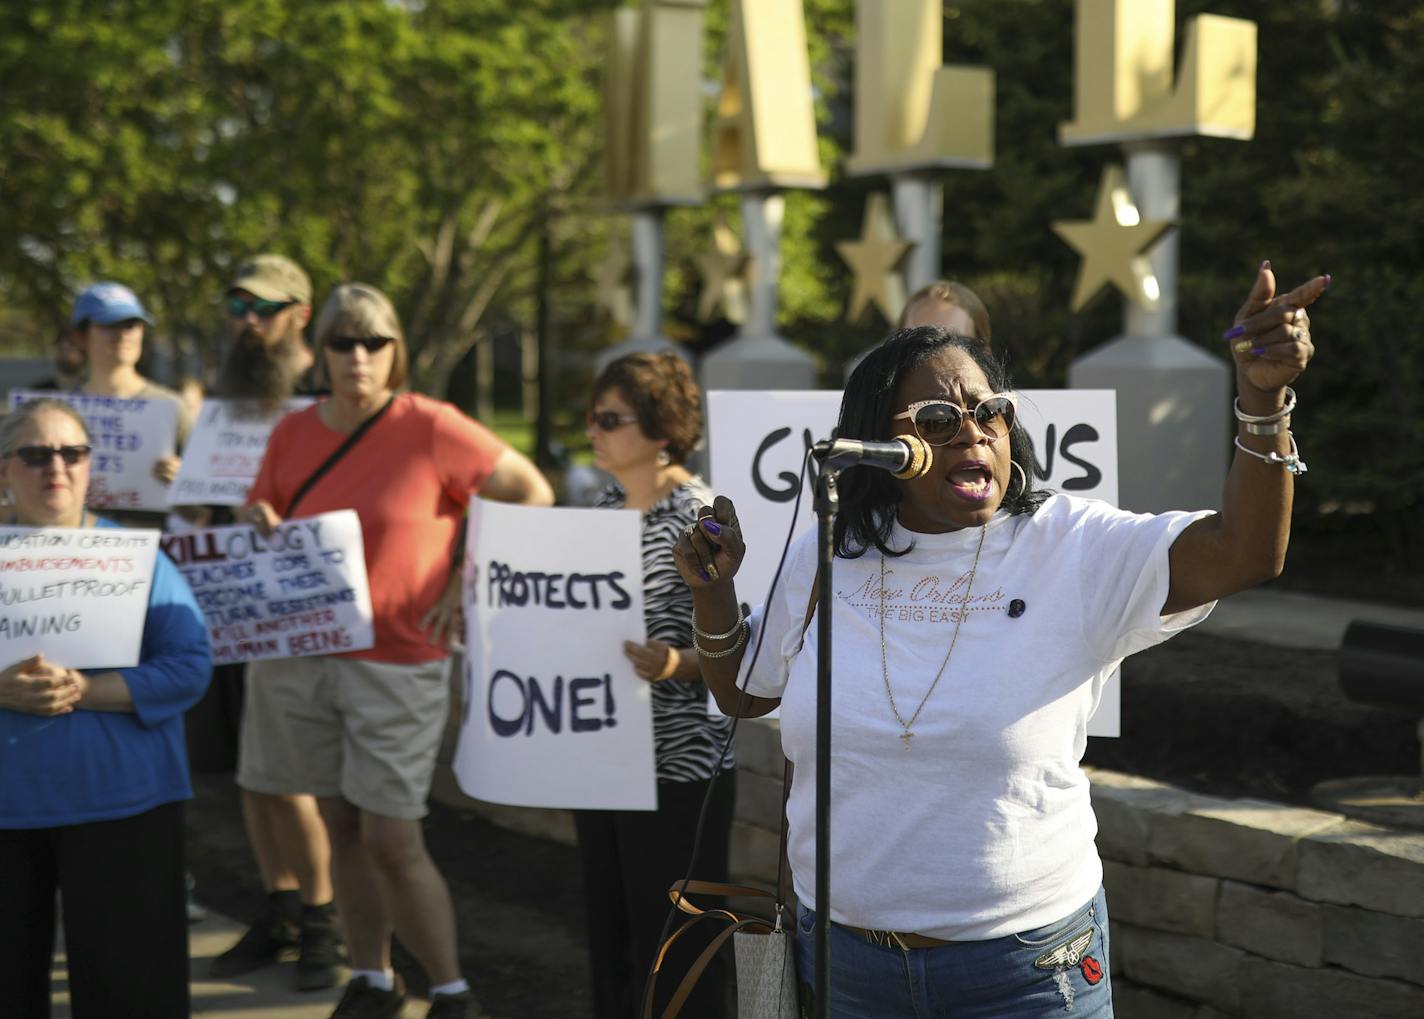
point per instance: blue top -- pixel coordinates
(104, 765)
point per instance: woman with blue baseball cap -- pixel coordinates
(108, 321)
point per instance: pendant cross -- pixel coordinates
(905, 738)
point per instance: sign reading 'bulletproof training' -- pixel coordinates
(129, 436)
(299, 591)
(77, 595)
(554, 714)
(225, 451)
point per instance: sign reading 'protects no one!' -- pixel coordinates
(554, 714)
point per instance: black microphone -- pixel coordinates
(905, 456)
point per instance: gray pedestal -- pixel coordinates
(1173, 417)
(768, 362)
(648, 262)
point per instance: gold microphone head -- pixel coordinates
(920, 458)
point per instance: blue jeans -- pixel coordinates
(1056, 970)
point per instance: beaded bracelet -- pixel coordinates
(743, 628)
(1291, 461)
(718, 636)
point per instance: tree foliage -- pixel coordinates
(424, 144)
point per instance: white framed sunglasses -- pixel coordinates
(938, 422)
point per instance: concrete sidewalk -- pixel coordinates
(1307, 621)
(265, 994)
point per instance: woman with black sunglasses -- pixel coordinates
(644, 420)
(976, 620)
(93, 773)
(361, 730)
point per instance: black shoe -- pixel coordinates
(453, 1006)
(321, 954)
(362, 1001)
(271, 938)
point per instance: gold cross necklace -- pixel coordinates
(907, 735)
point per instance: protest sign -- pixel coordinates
(299, 591)
(79, 595)
(554, 714)
(225, 451)
(758, 441)
(129, 436)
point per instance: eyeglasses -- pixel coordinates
(347, 344)
(238, 307)
(608, 420)
(938, 421)
(40, 456)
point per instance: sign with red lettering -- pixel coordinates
(129, 436)
(297, 592)
(554, 714)
(78, 596)
(224, 452)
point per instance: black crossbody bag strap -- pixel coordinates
(342, 450)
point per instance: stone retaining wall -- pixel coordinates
(1220, 908)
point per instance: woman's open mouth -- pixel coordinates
(972, 481)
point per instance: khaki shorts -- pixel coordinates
(365, 731)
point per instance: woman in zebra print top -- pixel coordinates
(645, 419)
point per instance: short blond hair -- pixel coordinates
(360, 310)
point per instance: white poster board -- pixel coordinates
(300, 591)
(224, 452)
(554, 714)
(758, 440)
(129, 436)
(79, 595)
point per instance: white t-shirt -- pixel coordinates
(982, 826)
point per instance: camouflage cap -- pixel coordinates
(273, 278)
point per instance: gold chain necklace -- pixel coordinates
(907, 735)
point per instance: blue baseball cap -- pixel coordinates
(107, 303)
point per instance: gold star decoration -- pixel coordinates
(612, 292)
(1112, 245)
(722, 271)
(875, 260)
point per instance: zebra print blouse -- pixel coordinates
(686, 736)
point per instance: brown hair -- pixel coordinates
(663, 394)
(956, 295)
(360, 310)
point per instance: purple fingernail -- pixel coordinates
(703, 574)
(711, 526)
(1233, 332)
(1257, 351)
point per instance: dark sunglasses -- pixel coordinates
(40, 456)
(238, 307)
(938, 421)
(608, 420)
(347, 344)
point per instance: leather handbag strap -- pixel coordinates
(341, 450)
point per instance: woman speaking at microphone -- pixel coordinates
(93, 773)
(975, 622)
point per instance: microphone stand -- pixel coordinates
(827, 502)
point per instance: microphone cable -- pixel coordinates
(742, 695)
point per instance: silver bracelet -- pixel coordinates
(718, 636)
(1265, 419)
(1291, 461)
(1274, 428)
(743, 628)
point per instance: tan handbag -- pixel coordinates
(764, 948)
